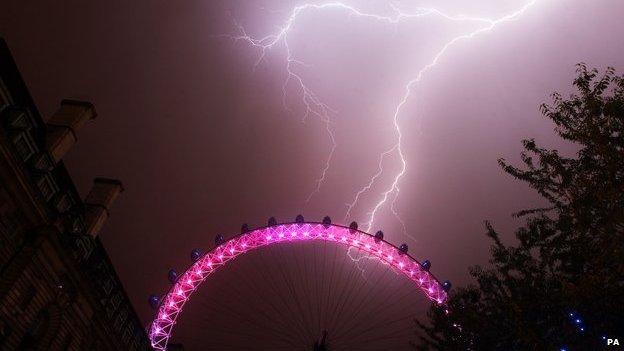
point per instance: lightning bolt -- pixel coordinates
(394, 187)
(313, 105)
(370, 183)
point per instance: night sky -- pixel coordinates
(204, 139)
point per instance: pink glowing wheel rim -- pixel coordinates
(172, 303)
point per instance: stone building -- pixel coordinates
(58, 288)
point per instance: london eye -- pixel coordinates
(296, 286)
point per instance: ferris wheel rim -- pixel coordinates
(172, 303)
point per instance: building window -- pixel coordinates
(127, 334)
(47, 186)
(121, 318)
(108, 286)
(116, 300)
(84, 246)
(24, 145)
(63, 202)
(78, 226)
(19, 119)
(110, 310)
(113, 304)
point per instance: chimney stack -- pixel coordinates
(63, 127)
(98, 202)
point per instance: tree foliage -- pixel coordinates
(569, 256)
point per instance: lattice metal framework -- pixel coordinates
(172, 303)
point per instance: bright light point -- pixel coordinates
(368, 246)
(221, 257)
(430, 290)
(281, 235)
(582, 329)
(269, 237)
(355, 242)
(344, 238)
(439, 300)
(244, 244)
(389, 258)
(179, 292)
(401, 264)
(189, 282)
(293, 234)
(209, 263)
(578, 321)
(379, 252)
(331, 236)
(232, 250)
(306, 234)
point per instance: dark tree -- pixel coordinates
(568, 257)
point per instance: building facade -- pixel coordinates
(58, 288)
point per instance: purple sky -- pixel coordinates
(203, 142)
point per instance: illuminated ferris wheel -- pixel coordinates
(297, 286)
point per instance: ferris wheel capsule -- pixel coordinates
(244, 228)
(446, 285)
(353, 227)
(153, 301)
(379, 236)
(172, 275)
(272, 222)
(195, 255)
(299, 219)
(426, 265)
(326, 221)
(219, 239)
(403, 249)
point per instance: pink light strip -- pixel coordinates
(171, 304)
